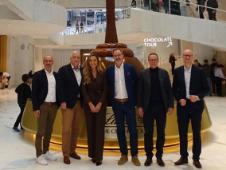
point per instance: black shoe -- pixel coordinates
(181, 161)
(93, 160)
(197, 163)
(98, 163)
(160, 162)
(148, 162)
(16, 129)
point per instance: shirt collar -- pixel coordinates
(120, 68)
(187, 69)
(47, 73)
(74, 68)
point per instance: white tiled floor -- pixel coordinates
(17, 153)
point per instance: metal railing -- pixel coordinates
(97, 27)
(184, 8)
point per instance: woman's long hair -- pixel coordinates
(87, 72)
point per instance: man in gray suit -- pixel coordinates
(155, 99)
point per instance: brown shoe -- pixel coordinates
(75, 155)
(197, 163)
(181, 161)
(123, 159)
(67, 160)
(135, 161)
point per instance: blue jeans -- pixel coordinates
(122, 112)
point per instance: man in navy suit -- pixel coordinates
(122, 79)
(45, 95)
(189, 86)
(70, 80)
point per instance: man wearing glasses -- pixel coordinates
(189, 86)
(155, 99)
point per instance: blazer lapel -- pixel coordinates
(72, 74)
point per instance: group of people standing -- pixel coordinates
(74, 88)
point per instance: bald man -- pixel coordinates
(190, 86)
(70, 81)
(45, 95)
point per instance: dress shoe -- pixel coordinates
(93, 160)
(41, 160)
(123, 159)
(160, 162)
(75, 155)
(98, 163)
(135, 161)
(181, 161)
(197, 163)
(16, 129)
(148, 162)
(67, 160)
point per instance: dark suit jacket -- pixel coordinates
(69, 86)
(130, 81)
(40, 88)
(23, 93)
(144, 87)
(198, 83)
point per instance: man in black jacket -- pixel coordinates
(45, 95)
(70, 81)
(155, 99)
(189, 86)
(23, 93)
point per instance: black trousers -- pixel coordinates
(95, 132)
(19, 117)
(158, 114)
(218, 82)
(191, 112)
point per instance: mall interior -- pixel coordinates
(31, 29)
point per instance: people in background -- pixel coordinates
(219, 78)
(190, 86)
(201, 7)
(94, 89)
(212, 5)
(197, 63)
(155, 99)
(166, 6)
(23, 93)
(213, 65)
(206, 69)
(172, 61)
(134, 4)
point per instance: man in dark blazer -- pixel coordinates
(121, 80)
(189, 86)
(155, 99)
(70, 82)
(45, 95)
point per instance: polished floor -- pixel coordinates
(17, 153)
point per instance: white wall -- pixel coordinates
(20, 57)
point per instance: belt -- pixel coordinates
(122, 100)
(50, 103)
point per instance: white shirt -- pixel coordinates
(51, 94)
(120, 84)
(218, 72)
(78, 76)
(187, 77)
